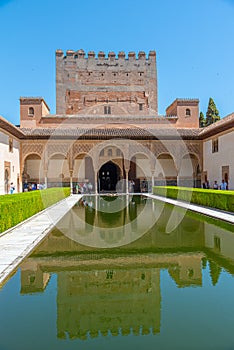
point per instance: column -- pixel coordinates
(127, 168)
(45, 180)
(127, 190)
(96, 181)
(152, 181)
(71, 182)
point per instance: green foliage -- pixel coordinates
(14, 208)
(202, 121)
(212, 114)
(223, 200)
(215, 271)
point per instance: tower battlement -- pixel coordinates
(80, 54)
(106, 83)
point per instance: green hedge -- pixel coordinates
(15, 208)
(218, 199)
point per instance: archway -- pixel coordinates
(33, 172)
(58, 171)
(140, 172)
(108, 176)
(83, 169)
(165, 171)
(189, 173)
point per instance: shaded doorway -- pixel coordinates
(7, 182)
(109, 175)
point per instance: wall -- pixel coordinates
(213, 162)
(84, 85)
(12, 158)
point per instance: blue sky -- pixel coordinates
(194, 41)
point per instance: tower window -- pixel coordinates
(107, 110)
(188, 112)
(140, 106)
(215, 145)
(31, 112)
(10, 144)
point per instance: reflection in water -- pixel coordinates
(102, 291)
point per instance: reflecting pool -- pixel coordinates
(124, 273)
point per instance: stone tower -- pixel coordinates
(106, 85)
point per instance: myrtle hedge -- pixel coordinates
(223, 200)
(14, 208)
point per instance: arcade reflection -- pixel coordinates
(109, 288)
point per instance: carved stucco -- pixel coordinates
(151, 150)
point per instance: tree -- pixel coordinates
(202, 121)
(215, 271)
(212, 114)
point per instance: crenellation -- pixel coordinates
(141, 55)
(111, 56)
(81, 53)
(121, 55)
(70, 53)
(101, 55)
(91, 54)
(59, 53)
(131, 55)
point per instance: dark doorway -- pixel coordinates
(108, 177)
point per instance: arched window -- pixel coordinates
(31, 111)
(188, 112)
(118, 152)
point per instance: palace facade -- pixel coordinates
(107, 131)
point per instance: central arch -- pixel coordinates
(108, 176)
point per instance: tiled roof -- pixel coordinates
(12, 129)
(106, 133)
(221, 125)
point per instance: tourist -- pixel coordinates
(77, 189)
(223, 185)
(90, 187)
(206, 184)
(144, 186)
(12, 188)
(132, 186)
(215, 186)
(84, 188)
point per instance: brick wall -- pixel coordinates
(127, 85)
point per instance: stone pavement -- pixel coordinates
(19, 241)
(212, 212)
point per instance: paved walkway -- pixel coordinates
(19, 241)
(212, 212)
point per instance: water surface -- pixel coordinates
(111, 276)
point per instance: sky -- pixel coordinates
(193, 39)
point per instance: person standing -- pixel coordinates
(215, 186)
(223, 185)
(12, 188)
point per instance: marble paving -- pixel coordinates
(212, 212)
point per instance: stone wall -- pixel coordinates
(87, 84)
